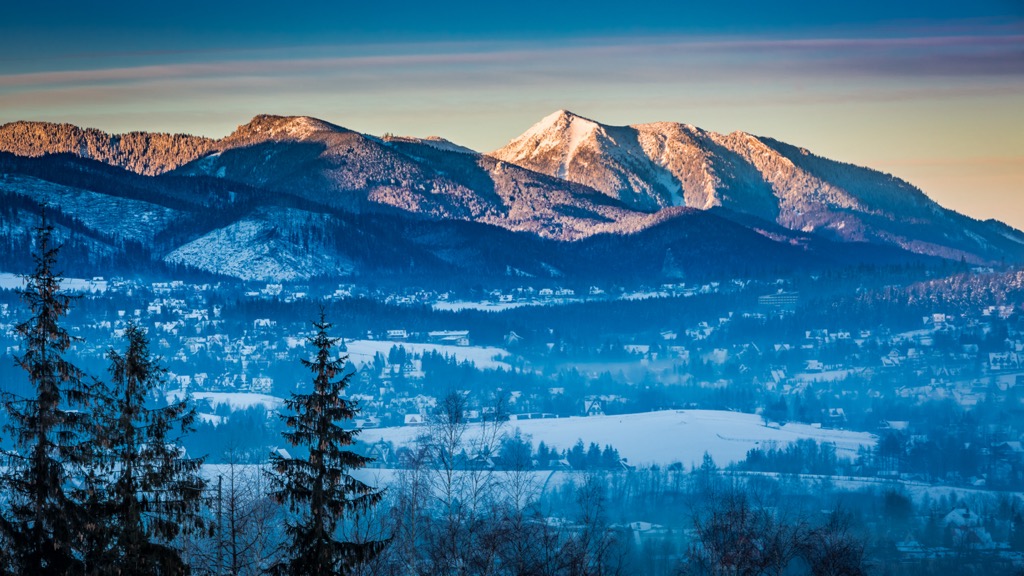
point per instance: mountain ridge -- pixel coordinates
(230, 231)
(566, 178)
(758, 176)
(147, 153)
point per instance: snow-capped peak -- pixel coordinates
(434, 142)
(559, 121)
(559, 134)
(271, 127)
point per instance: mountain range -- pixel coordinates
(293, 198)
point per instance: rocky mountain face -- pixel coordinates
(346, 170)
(295, 197)
(210, 227)
(649, 166)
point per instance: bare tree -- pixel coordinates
(443, 445)
(407, 507)
(737, 537)
(245, 532)
(594, 549)
(521, 532)
(454, 485)
(249, 534)
(832, 550)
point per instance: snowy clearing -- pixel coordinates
(10, 281)
(236, 400)
(546, 480)
(460, 305)
(484, 357)
(663, 437)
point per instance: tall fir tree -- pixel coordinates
(319, 489)
(51, 428)
(153, 489)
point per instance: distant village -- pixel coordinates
(232, 350)
(214, 344)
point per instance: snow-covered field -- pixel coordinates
(664, 437)
(484, 357)
(460, 305)
(10, 281)
(236, 400)
(826, 376)
(644, 295)
(544, 480)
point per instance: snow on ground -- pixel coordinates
(915, 489)
(484, 357)
(644, 295)
(664, 437)
(460, 305)
(261, 247)
(10, 281)
(825, 376)
(236, 400)
(211, 419)
(548, 480)
(915, 334)
(439, 143)
(101, 212)
(1014, 237)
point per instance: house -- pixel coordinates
(456, 337)
(644, 531)
(965, 529)
(814, 366)
(481, 461)
(1008, 451)
(780, 301)
(382, 453)
(1003, 361)
(834, 416)
(560, 464)
(263, 384)
(593, 407)
(368, 421)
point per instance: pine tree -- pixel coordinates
(319, 489)
(46, 523)
(154, 490)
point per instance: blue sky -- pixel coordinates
(930, 91)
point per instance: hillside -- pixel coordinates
(651, 166)
(296, 198)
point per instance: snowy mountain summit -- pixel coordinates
(282, 194)
(652, 166)
(270, 127)
(606, 158)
